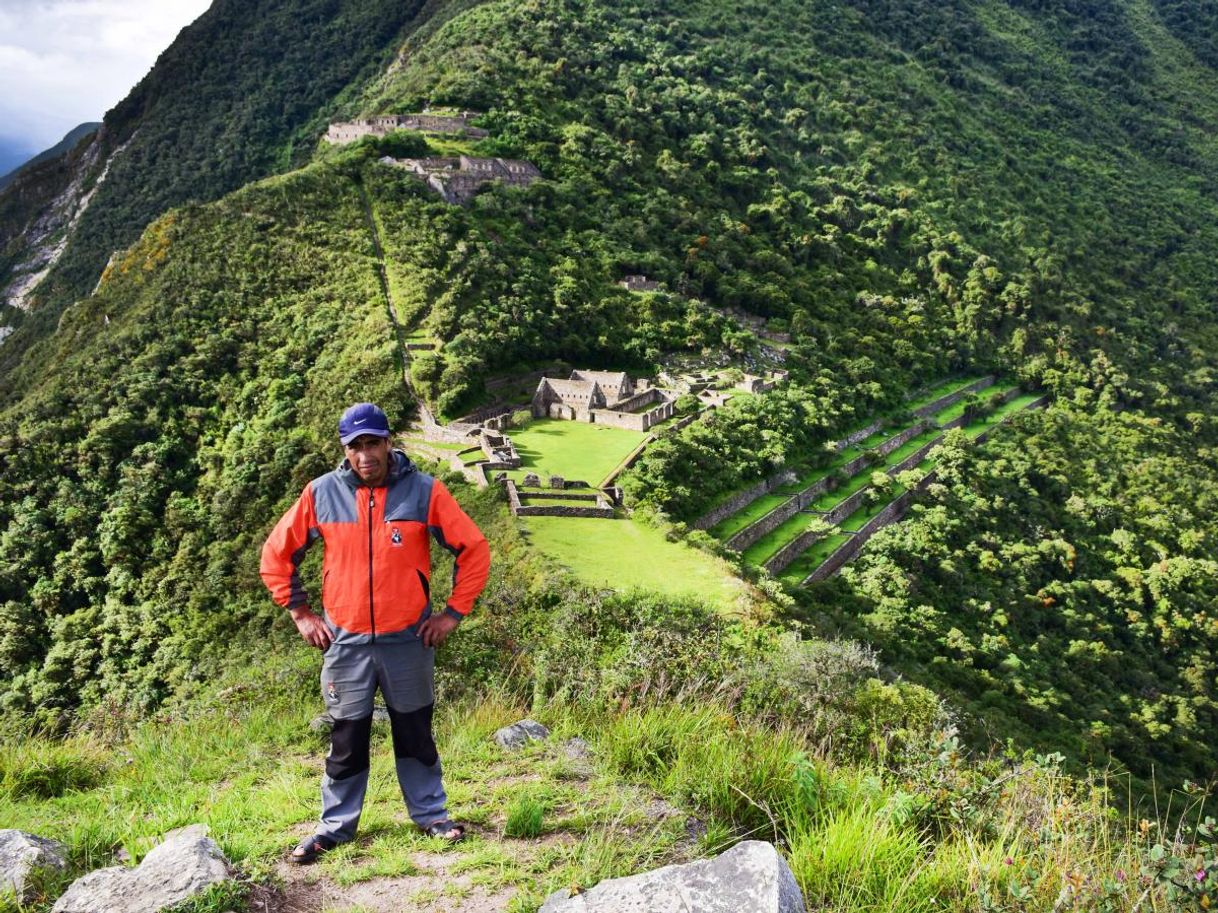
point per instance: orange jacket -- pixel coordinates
(377, 567)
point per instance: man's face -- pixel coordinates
(369, 457)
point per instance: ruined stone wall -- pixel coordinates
(450, 434)
(561, 496)
(743, 500)
(634, 421)
(661, 413)
(631, 403)
(600, 509)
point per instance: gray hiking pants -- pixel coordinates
(350, 676)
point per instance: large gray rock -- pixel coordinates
(749, 878)
(21, 855)
(185, 864)
(520, 734)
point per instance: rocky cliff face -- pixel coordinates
(37, 246)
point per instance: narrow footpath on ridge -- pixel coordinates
(382, 275)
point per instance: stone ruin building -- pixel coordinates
(639, 284)
(605, 398)
(499, 450)
(344, 132)
(458, 179)
(752, 383)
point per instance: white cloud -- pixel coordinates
(63, 62)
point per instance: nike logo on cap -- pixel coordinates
(360, 422)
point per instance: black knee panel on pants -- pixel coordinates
(349, 741)
(412, 735)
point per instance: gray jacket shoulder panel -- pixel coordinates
(333, 500)
(409, 497)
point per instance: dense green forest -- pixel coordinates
(911, 189)
(1059, 584)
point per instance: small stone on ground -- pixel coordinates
(21, 855)
(520, 734)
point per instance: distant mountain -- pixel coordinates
(13, 153)
(73, 136)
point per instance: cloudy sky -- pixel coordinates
(63, 62)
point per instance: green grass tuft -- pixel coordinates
(524, 817)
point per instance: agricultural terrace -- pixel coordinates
(767, 547)
(624, 554)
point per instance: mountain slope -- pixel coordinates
(909, 188)
(242, 93)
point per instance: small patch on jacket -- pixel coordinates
(331, 693)
(396, 538)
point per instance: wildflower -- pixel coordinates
(1201, 875)
(1120, 876)
(1008, 861)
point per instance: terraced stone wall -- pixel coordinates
(792, 550)
(778, 516)
(944, 401)
(845, 508)
(861, 435)
(744, 499)
(900, 440)
(850, 548)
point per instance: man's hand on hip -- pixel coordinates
(436, 629)
(312, 628)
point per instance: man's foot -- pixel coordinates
(311, 848)
(446, 830)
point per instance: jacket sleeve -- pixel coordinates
(284, 550)
(454, 530)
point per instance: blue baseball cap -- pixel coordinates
(362, 418)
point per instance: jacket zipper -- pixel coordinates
(371, 611)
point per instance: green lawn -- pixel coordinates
(573, 450)
(625, 555)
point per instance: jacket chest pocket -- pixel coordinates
(403, 539)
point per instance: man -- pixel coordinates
(374, 513)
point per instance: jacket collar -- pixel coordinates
(399, 467)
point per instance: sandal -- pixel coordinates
(444, 828)
(311, 848)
